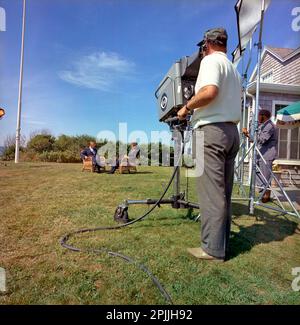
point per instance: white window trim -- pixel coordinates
(265, 74)
(278, 102)
(289, 134)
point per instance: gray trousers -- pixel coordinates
(260, 181)
(221, 145)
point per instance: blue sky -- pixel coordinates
(91, 64)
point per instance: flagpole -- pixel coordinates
(18, 131)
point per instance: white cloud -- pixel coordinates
(99, 70)
(31, 120)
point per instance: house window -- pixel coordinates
(288, 140)
(267, 77)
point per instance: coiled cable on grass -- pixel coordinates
(64, 242)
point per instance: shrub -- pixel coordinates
(59, 157)
(9, 152)
(65, 142)
(41, 142)
(29, 155)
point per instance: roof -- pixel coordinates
(280, 51)
(282, 54)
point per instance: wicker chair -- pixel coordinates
(125, 167)
(88, 164)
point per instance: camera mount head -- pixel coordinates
(178, 86)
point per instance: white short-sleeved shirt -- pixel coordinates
(217, 70)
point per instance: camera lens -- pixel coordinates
(188, 92)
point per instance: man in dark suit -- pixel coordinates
(267, 141)
(91, 151)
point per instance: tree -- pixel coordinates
(83, 140)
(10, 146)
(41, 142)
(65, 142)
(10, 141)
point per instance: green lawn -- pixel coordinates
(41, 202)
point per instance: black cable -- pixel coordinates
(128, 259)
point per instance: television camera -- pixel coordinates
(178, 86)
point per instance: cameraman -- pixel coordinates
(216, 111)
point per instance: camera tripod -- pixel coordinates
(254, 153)
(257, 170)
(178, 199)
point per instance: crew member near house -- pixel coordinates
(267, 141)
(216, 111)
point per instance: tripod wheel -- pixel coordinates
(121, 214)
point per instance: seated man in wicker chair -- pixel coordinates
(90, 153)
(128, 162)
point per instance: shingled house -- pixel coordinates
(280, 87)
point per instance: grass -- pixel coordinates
(41, 202)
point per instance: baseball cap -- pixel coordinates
(215, 35)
